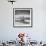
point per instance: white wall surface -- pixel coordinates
(37, 32)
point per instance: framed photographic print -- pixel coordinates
(22, 17)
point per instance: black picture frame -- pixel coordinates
(15, 14)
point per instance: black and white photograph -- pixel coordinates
(22, 17)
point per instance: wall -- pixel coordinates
(37, 32)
